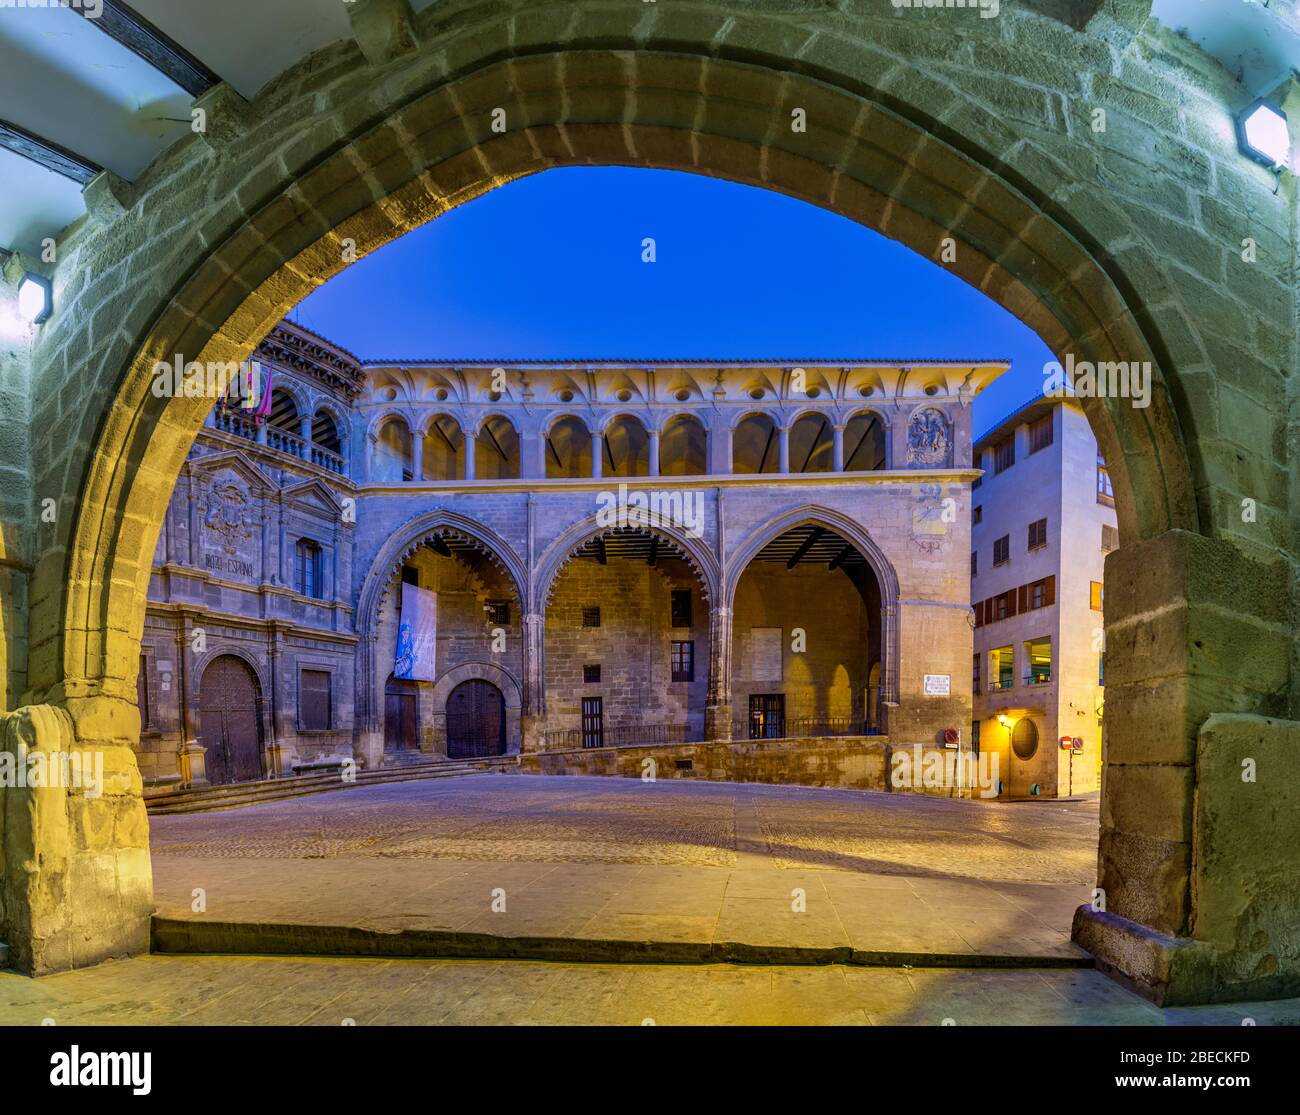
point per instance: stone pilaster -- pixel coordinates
(717, 708)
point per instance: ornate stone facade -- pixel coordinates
(753, 532)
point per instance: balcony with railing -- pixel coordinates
(230, 421)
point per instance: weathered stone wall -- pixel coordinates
(840, 762)
(17, 508)
(631, 646)
(88, 834)
(827, 677)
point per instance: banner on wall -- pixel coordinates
(417, 634)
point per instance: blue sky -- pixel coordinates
(550, 267)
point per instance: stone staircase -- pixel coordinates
(203, 799)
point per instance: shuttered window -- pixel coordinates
(307, 575)
(1002, 550)
(1004, 455)
(681, 607)
(1037, 534)
(314, 701)
(1040, 434)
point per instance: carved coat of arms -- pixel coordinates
(928, 441)
(229, 517)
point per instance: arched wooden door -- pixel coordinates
(476, 721)
(230, 726)
(400, 730)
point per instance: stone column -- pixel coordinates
(532, 718)
(77, 887)
(304, 431)
(191, 752)
(720, 461)
(469, 448)
(783, 448)
(417, 456)
(597, 455)
(1193, 902)
(654, 452)
(717, 708)
(837, 448)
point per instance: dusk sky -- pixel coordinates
(550, 267)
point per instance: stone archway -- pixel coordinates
(491, 674)
(709, 94)
(368, 735)
(739, 560)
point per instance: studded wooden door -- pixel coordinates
(476, 721)
(230, 724)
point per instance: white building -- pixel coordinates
(1043, 520)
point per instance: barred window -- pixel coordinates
(590, 617)
(499, 613)
(683, 660)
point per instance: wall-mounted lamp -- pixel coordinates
(1262, 134)
(35, 298)
(1004, 720)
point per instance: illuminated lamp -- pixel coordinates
(1262, 134)
(35, 298)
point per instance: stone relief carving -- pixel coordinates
(929, 444)
(229, 516)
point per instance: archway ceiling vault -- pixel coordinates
(80, 100)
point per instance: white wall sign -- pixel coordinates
(937, 685)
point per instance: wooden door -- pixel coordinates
(230, 723)
(400, 733)
(476, 721)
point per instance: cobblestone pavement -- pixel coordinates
(621, 859)
(223, 990)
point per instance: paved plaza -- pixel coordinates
(225, 990)
(620, 860)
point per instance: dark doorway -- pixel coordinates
(593, 722)
(476, 721)
(400, 731)
(230, 726)
(766, 715)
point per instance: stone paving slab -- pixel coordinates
(293, 991)
(675, 864)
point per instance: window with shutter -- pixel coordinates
(681, 607)
(314, 701)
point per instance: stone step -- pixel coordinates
(202, 800)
